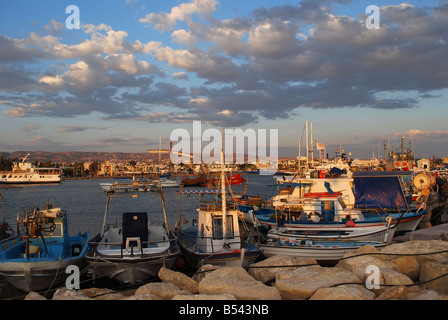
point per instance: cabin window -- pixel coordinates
(46, 230)
(218, 232)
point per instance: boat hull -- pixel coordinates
(374, 234)
(130, 271)
(38, 276)
(242, 258)
(323, 253)
(188, 243)
(26, 181)
(408, 222)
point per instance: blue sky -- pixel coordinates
(137, 70)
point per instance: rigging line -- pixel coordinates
(55, 276)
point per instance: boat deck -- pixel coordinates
(439, 232)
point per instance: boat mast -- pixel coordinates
(311, 144)
(307, 147)
(223, 193)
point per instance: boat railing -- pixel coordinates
(128, 246)
(192, 241)
(211, 206)
(293, 214)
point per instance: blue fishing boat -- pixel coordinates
(37, 257)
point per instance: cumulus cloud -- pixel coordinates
(417, 134)
(265, 64)
(166, 21)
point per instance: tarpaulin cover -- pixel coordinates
(374, 192)
(336, 170)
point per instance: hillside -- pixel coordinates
(79, 156)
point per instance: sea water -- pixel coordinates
(85, 202)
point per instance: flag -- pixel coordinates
(320, 146)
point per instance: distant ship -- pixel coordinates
(26, 172)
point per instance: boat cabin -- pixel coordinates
(318, 207)
(216, 229)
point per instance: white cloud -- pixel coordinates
(166, 21)
(183, 37)
(421, 134)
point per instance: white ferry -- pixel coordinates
(26, 172)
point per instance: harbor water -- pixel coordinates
(85, 202)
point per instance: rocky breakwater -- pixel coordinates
(413, 270)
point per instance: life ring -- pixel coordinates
(314, 216)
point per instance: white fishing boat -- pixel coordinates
(168, 183)
(321, 250)
(323, 204)
(134, 186)
(383, 233)
(217, 238)
(25, 172)
(132, 252)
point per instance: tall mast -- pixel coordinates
(312, 144)
(307, 146)
(223, 193)
(160, 148)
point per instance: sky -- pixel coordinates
(136, 70)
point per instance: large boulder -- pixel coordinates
(426, 295)
(388, 278)
(66, 294)
(265, 270)
(34, 296)
(343, 292)
(237, 282)
(179, 279)
(362, 260)
(203, 271)
(433, 270)
(164, 290)
(205, 297)
(417, 249)
(305, 281)
(408, 266)
(394, 293)
(102, 294)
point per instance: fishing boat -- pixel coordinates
(217, 238)
(25, 172)
(132, 252)
(321, 250)
(235, 179)
(36, 258)
(134, 186)
(166, 182)
(325, 205)
(378, 233)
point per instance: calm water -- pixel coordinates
(85, 202)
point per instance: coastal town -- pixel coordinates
(93, 164)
